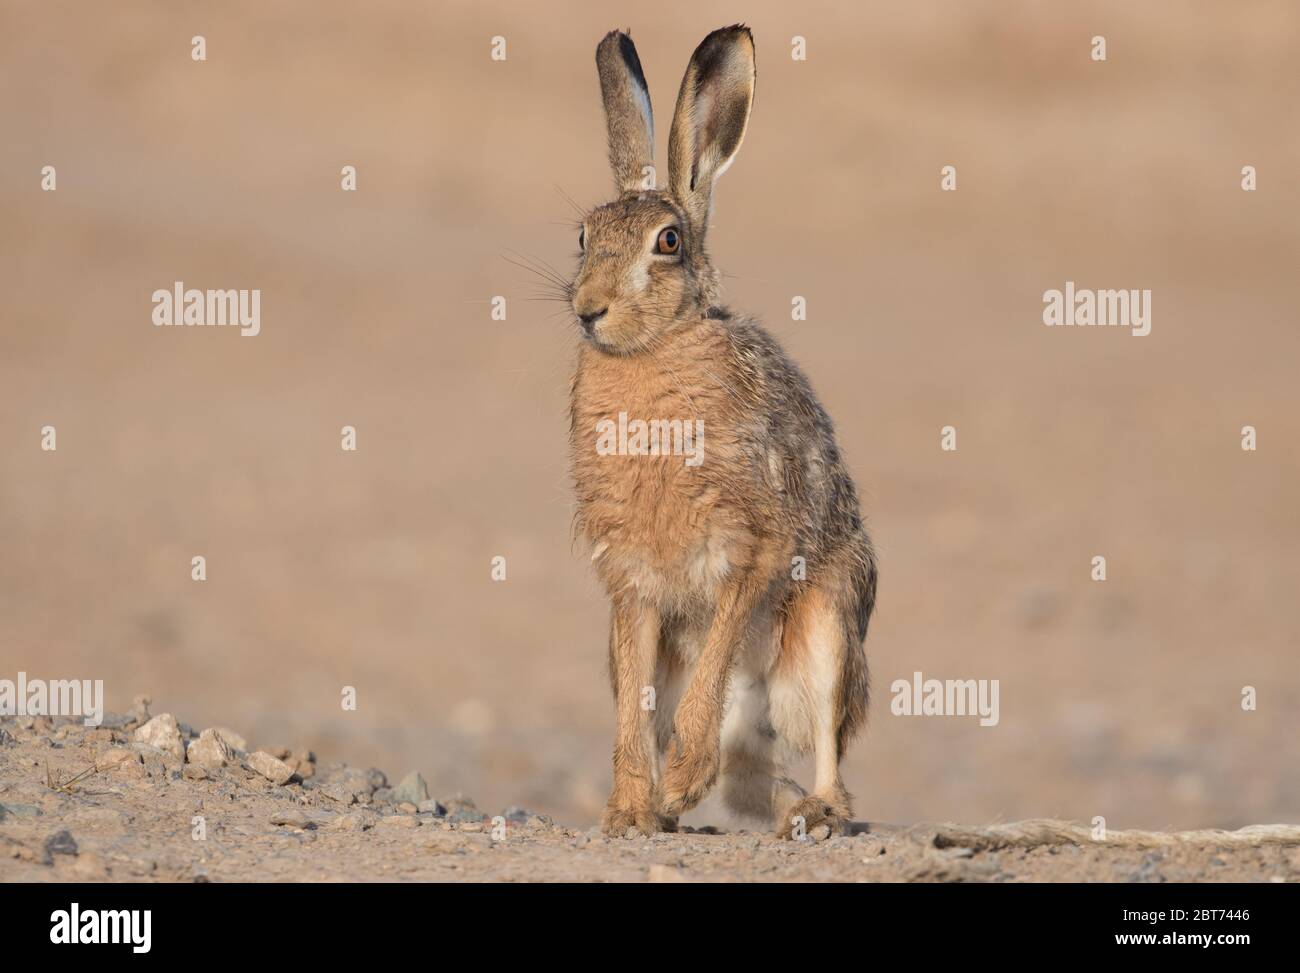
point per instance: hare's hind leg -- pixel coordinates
(750, 779)
(819, 684)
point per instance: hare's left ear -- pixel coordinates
(627, 112)
(712, 113)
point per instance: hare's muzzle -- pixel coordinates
(590, 319)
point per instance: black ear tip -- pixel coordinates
(628, 50)
(622, 41)
(722, 39)
(731, 33)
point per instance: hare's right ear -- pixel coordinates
(627, 113)
(712, 115)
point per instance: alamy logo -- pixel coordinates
(131, 926)
(947, 697)
(180, 306)
(58, 697)
(653, 437)
(1083, 308)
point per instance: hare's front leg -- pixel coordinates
(633, 654)
(692, 755)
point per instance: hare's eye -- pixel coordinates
(582, 239)
(670, 241)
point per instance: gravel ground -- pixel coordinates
(122, 803)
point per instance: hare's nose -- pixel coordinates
(590, 319)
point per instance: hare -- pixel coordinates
(741, 585)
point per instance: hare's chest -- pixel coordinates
(650, 503)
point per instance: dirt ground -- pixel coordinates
(145, 815)
(372, 569)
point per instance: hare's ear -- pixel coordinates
(627, 112)
(712, 113)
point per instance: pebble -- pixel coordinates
(431, 807)
(7, 739)
(303, 763)
(233, 739)
(273, 769)
(347, 785)
(61, 843)
(162, 733)
(412, 789)
(292, 819)
(466, 815)
(210, 751)
(348, 822)
(139, 710)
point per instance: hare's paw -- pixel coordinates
(691, 772)
(617, 821)
(809, 814)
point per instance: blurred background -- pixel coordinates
(372, 569)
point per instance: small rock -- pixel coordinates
(349, 822)
(210, 750)
(348, 785)
(382, 795)
(303, 763)
(272, 768)
(195, 772)
(431, 807)
(7, 739)
(140, 709)
(406, 807)
(163, 734)
(61, 843)
(412, 789)
(399, 821)
(292, 819)
(233, 739)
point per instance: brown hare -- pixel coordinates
(720, 517)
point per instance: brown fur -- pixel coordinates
(745, 659)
